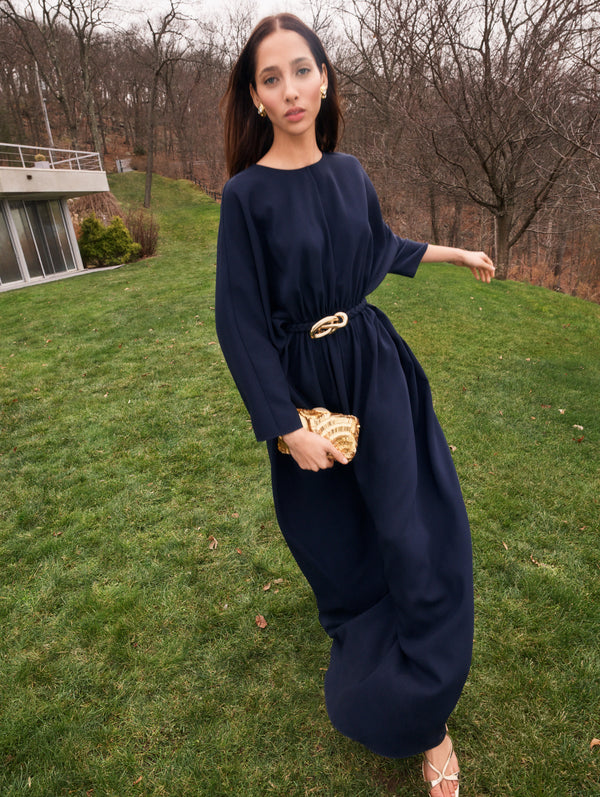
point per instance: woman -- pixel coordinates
(383, 540)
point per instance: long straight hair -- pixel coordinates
(249, 136)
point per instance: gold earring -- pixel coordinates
(323, 92)
(261, 110)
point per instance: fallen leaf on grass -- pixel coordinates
(139, 780)
(535, 561)
(260, 621)
(267, 587)
(562, 412)
(212, 543)
(579, 439)
(505, 545)
(452, 448)
(594, 743)
(277, 581)
(239, 550)
(577, 426)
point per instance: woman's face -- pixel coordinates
(288, 83)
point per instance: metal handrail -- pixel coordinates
(23, 156)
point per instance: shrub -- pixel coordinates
(144, 230)
(106, 246)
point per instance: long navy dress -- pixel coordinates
(384, 541)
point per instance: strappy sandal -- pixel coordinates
(454, 776)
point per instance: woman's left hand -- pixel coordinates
(480, 264)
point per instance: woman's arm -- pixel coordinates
(479, 263)
(243, 321)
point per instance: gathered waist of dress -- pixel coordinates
(327, 323)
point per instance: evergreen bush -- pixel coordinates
(106, 246)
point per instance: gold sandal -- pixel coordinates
(454, 776)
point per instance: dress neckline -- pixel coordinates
(291, 171)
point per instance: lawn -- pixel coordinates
(138, 541)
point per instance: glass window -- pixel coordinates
(61, 234)
(41, 225)
(26, 239)
(43, 236)
(9, 266)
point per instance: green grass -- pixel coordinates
(130, 662)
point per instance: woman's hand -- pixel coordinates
(480, 264)
(311, 451)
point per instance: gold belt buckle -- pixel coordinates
(328, 325)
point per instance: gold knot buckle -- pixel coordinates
(328, 325)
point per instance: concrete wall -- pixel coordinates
(44, 183)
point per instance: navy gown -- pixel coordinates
(384, 541)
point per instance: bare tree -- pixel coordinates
(86, 18)
(163, 46)
(42, 35)
(457, 73)
(480, 61)
(573, 113)
(381, 85)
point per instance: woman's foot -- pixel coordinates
(440, 770)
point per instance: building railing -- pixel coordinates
(21, 156)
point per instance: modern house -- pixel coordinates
(37, 239)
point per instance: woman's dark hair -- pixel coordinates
(249, 136)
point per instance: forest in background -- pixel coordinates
(478, 122)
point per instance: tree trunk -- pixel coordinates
(150, 142)
(90, 103)
(435, 232)
(558, 252)
(62, 93)
(456, 223)
(13, 104)
(502, 227)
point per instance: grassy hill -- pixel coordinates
(138, 542)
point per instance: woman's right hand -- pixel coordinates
(311, 451)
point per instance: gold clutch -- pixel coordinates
(341, 430)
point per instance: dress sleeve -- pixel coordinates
(391, 253)
(242, 312)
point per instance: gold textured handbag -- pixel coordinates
(341, 430)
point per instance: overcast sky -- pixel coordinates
(202, 8)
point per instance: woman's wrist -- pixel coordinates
(293, 434)
(445, 254)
